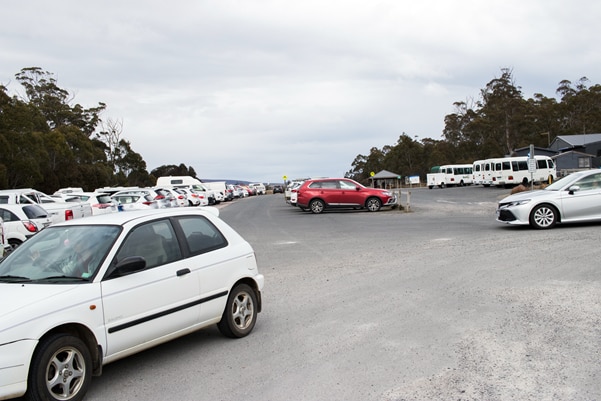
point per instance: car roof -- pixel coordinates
(122, 218)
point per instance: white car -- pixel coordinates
(194, 198)
(574, 198)
(139, 200)
(87, 292)
(260, 188)
(22, 221)
(101, 202)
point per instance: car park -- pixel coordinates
(88, 292)
(57, 208)
(573, 198)
(329, 193)
(22, 222)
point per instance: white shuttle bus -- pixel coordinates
(510, 171)
(481, 173)
(450, 175)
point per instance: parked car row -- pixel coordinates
(26, 211)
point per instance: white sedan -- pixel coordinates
(574, 198)
(87, 292)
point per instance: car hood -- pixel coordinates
(528, 195)
(16, 297)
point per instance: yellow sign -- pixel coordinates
(372, 174)
(285, 178)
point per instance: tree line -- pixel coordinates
(494, 125)
(46, 142)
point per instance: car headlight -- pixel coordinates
(515, 203)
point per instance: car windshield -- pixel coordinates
(60, 254)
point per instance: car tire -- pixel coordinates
(240, 314)
(61, 369)
(317, 206)
(14, 244)
(543, 216)
(373, 204)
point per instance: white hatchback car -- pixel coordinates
(88, 292)
(22, 221)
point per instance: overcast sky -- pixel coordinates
(257, 90)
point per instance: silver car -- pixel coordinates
(574, 198)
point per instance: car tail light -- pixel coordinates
(68, 214)
(30, 226)
(180, 197)
(148, 203)
(159, 197)
(102, 205)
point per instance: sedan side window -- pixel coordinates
(155, 242)
(201, 235)
(590, 182)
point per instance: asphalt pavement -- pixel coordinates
(439, 303)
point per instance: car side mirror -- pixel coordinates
(129, 265)
(573, 188)
(357, 187)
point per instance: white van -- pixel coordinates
(186, 181)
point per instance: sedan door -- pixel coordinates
(585, 203)
(156, 302)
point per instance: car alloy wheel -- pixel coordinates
(60, 370)
(543, 216)
(374, 204)
(240, 313)
(317, 206)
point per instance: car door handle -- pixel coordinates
(183, 272)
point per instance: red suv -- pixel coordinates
(324, 193)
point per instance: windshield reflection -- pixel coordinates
(60, 254)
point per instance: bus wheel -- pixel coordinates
(442, 184)
(525, 181)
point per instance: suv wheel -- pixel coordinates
(317, 206)
(373, 204)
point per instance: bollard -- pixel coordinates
(408, 201)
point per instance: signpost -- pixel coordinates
(531, 166)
